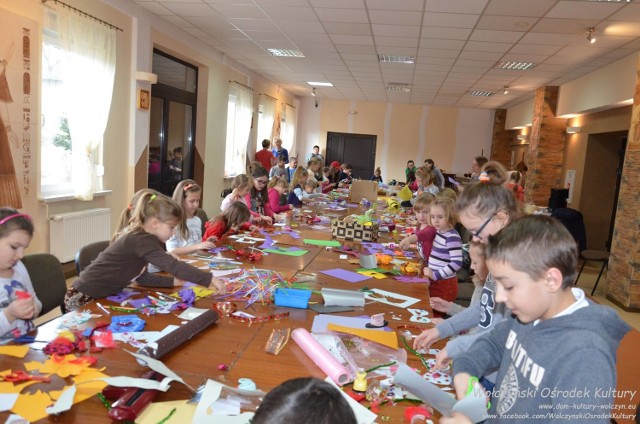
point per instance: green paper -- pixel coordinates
(381, 271)
(287, 252)
(330, 243)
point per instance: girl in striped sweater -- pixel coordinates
(446, 254)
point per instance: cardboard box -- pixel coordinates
(361, 189)
(353, 231)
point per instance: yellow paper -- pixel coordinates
(156, 412)
(199, 291)
(69, 365)
(17, 351)
(84, 390)
(32, 406)
(373, 274)
(387, 338)
(405, 193)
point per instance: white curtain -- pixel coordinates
(238, 128)
(265, 122)
(288, 132)
(88, 77)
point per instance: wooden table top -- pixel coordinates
(240, 345)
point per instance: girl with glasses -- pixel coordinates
(258, 197)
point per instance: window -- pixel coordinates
(266, 116)
(76, 53)
(239, 115)
(288, 127)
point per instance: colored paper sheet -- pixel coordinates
(18, 351)
(287, 252)
(372, 273)
(409, 279)
(343, 274)
(405, 194)
(387, 338)
(205, 413)
(158, 411)
(32, 406)
(321, 322)
(380, 270)
(7, 400)
(268, 242)
(339, 297)
(329, 243)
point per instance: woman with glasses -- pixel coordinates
(258, 197)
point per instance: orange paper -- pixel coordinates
(19, 351)
(32, 406)
(387, 338)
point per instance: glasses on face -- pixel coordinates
(263, 182)
(477, 233)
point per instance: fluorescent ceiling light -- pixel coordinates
(515, 66)
(285, 52)
(319, 84)
(613, 1)
(399, 86)
(479, 93)
(392, 58)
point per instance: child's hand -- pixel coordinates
(206, 245)
(254, 228)
(20, 309)
(428, 273)
(437, 321)
(218, 285)
(178, 282)
(212, 239)
(440, 304)
(461, 384)
(442, 360)
(405, 243)
(426, 339)
(267, 219)
(455, 418)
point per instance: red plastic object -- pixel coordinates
(133, 401)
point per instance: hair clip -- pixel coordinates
(15, 215)
(152, 198)
(187, 187)
(484, 177)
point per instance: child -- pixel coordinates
(437, 173)
(425, 233)
(125, 216)
(295, 188)
(330, 179)
(304, 400)
(513, 185)
(293, 164)
(559, 348)
(279, 170)
(484, 209)
(188, 238)
(258, 197)
(377, 175)
(446, 254)
(230, 221)
(240, 190)
(411, 167)
(426, 182)
(154, 221)
(345, 178)
(277, 187)
(264, 155)
(18, 301)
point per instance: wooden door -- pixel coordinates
(359, 150)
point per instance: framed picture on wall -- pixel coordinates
(143, 99)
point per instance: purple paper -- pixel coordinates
(268, 242)
(122, 296)
(140, 303)
(217, 249)
(343, 274)
(187, 295)
(408, 279)
(292, 234)
(351, 205)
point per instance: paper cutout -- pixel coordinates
(339, 297)
(287, 252)
(387, 338)
(363, 415)
(7, 400)
(387, 297)
(32, 406)
(223, 272)
(156, 412)
(19, 351)
(343, 274)
(405, 194)
(419, 315)
(159, 367)
(205, 412)
(328, 243)
(63, 366)
(374, 274)
(321, 322)
(191, 313)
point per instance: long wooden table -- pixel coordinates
(240, 345)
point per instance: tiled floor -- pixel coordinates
(586, 282)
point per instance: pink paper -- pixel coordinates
(343, 274)
(320, 356)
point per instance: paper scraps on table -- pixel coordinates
(31, 406)
(191, 313)
(63, 366)
(17, 351)
(223, 272)
(159, 367)
(388, 298)
(207, 412)
(7, 400)
(72, 320)
(199, 291)
(387, 338)
(372, 273)
(368, 261)
(410, 279)
(288, 251)
(268, 242)
(363, 415)
(277, 340)
(134, 338)
(321, 322)
(340, 297)
(325, 243)
(157, 411)
(343, 274)
(122, 296)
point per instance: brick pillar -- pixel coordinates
(502, 139)
(546, 147)
(623, 277)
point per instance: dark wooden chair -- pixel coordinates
(88, 253)
(48, 279)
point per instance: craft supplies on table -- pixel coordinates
(292, 298)
(320, 356)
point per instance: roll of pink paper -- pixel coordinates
(320, 356)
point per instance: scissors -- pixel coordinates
(473, 381)
(21, 376)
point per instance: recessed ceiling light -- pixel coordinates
(319, 84)
(613, 1)
(285, 52)
(392, 58)
(479, 93)
(399, 86)
(515, 66)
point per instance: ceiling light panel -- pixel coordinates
(479, 93)
(398, 87)
(285, 52)
(515, 66)
(390, 58)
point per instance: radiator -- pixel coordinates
(68, 232)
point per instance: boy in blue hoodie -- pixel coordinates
(556, 356)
